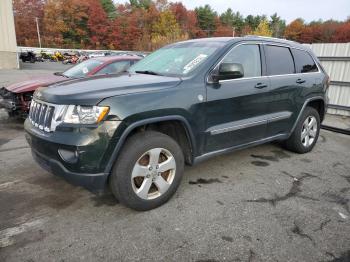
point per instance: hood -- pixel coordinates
(90, 91)
(34, 83)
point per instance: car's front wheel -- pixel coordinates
(306, 132)
(148, 170)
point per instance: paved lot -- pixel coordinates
(259, 204)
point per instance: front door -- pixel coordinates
(236, 108)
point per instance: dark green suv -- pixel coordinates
(184, 103)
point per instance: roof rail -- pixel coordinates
(272, 38)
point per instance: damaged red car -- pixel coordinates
(16, 98)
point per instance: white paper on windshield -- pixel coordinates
(194, 63)
(85, 70)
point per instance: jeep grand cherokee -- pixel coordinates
(182, 104)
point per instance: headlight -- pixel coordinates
(84, 114)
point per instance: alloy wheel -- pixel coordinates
(309, 131)
(153, 173)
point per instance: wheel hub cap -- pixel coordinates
(309, 131)
(153, 173)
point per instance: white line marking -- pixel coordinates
(7, 184)
(6, 235)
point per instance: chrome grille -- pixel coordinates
(41, 115)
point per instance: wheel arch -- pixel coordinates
(318, 103)
(151, 122)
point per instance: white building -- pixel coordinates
(8, 45)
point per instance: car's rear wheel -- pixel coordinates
(306, 132)
(148, 170)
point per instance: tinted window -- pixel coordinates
(115, 68)
(248, 56)
(304, 62)
(279, 60)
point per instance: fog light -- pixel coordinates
(68, 155)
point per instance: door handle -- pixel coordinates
(260, 85)
(300, 81)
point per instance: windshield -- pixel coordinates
(178, 59)
(82, 69)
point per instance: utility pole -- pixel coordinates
(37, 29)
(233, 31)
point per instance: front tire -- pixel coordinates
(148, 171)
(306, 132)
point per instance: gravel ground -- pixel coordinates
(258, 204)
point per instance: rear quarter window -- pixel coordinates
(279, 60)
(304, 63)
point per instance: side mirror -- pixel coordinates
(58, 73)
(228, 71)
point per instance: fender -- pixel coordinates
(134, 125)
(307, 101)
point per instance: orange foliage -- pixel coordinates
(136, 26)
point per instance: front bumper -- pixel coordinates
(78, 155)
(15, 104)
(93, 182)
(8, 104)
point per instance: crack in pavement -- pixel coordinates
(294, 191)
(322, 225)
(298, 231)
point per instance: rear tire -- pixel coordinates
(148, 171)
(306, 132)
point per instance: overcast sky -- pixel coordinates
(288, 9)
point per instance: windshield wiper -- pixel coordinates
(148, 72)
(60, 74)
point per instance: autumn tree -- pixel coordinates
(187, 20)
(222, 30)
(294, 30)
(54, 25)
(98, 25)
(312, 33)
(166, 30)
(147, 24)
(263, 29)
(126, 29)
(342, 34)
(25, 23)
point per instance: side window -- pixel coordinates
(279, 60)
(248, 56)
(304, 62)
(114, 68)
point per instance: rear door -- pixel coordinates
(307, 71)
(236, 108)
(284, 89)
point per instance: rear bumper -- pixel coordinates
(93, 182)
